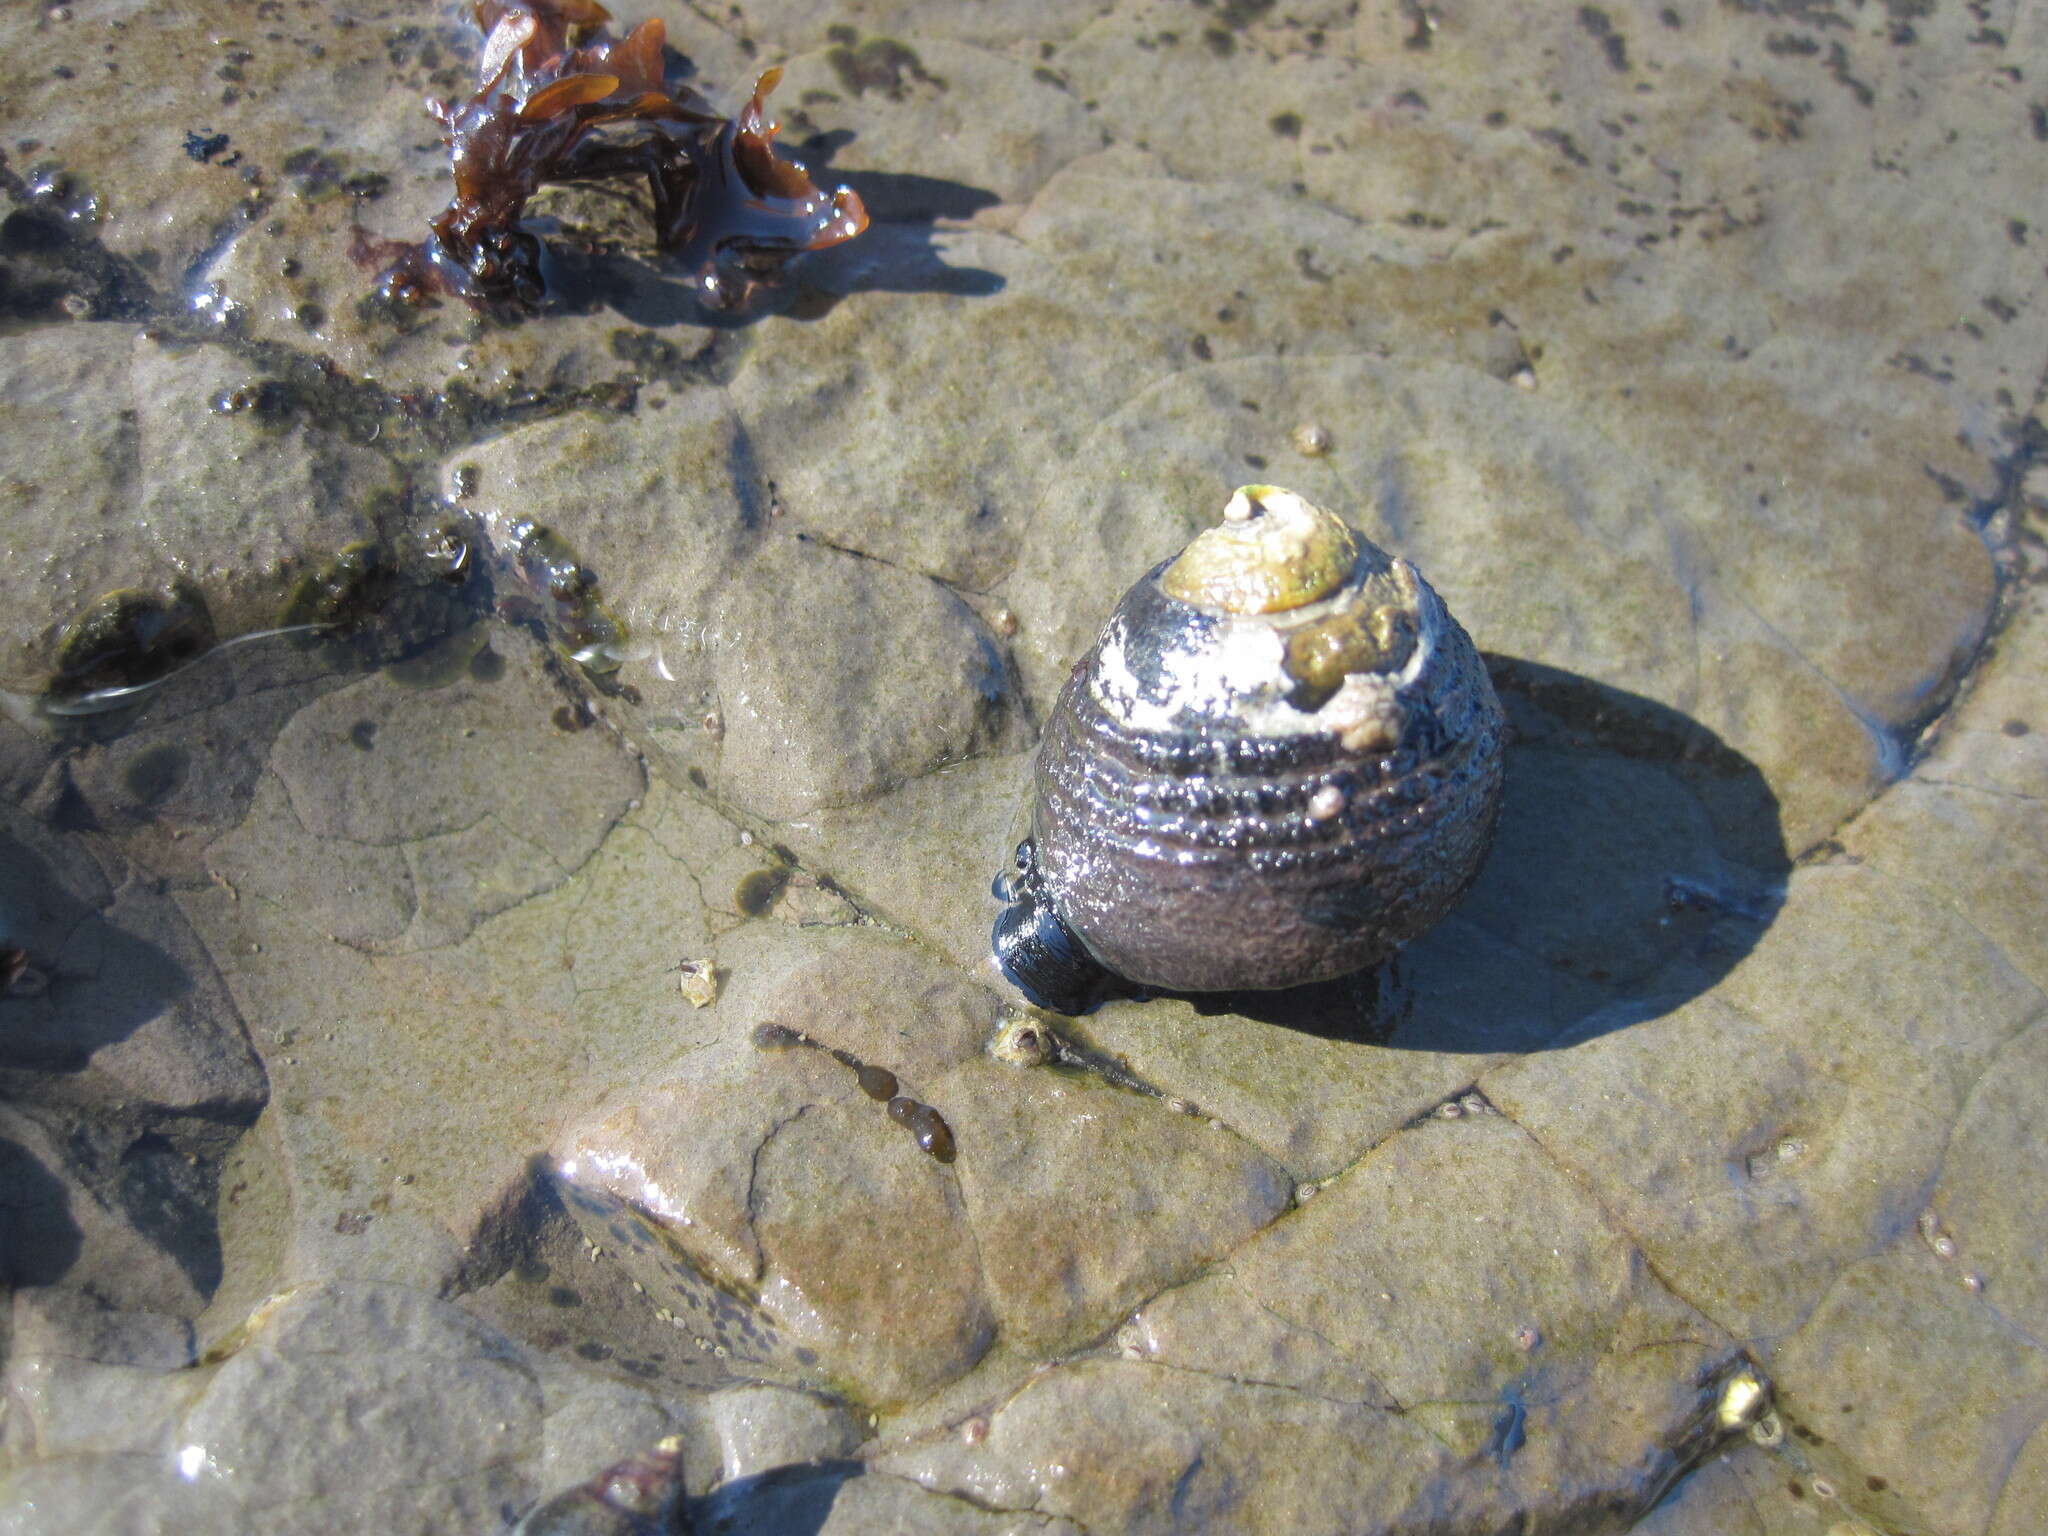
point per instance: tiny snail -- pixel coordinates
(1279, 764)
(640, 1496)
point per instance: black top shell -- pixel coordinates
(1228, 800)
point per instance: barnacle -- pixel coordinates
(560, 99)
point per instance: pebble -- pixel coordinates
(1311, 441)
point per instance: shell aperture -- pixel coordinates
(1281, 761)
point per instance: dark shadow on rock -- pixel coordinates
(893, 197)
(784, 1501)
(170, 1198)
(39, 1242)
(898, 253)
(123, 1219)
(57, 1026)
(1639, 857)
(897, 258)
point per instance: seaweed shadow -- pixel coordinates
(898, 253)
(1638, 859)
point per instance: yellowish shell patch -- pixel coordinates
(1273, 551)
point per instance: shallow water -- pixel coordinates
(450, 762)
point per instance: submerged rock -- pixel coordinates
(1720, 1074)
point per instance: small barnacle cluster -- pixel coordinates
(559, 99)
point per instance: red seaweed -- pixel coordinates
(560, 99)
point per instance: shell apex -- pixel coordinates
(1273, 551)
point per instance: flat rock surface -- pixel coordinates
(530, 1023)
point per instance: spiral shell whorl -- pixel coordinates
(1231, 798)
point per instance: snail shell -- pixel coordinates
(640, 1496)
(1280, 763)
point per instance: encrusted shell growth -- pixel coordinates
(1281, 762)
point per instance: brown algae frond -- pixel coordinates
(560, 99)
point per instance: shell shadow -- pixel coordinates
(1639, 857)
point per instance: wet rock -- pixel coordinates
(144, 1447)
(678, 1306)
(1405, 122)
(662, 509)
(841, 1499)
(85, 1380)
(439, 804)
(1086, 1199)
(921, 854)
(808, 902)
(1074, 1200)
(111, 1496)
(1972, 822)
(129, 479)
(1585, 1379)
(399, 1145)
(1860, 1386)
(1309, 1078)
(924, 689)
(683, 1151)
(146, 182)
(2024, 1489)
(1115, 1445)
(759, 1162)
(1740, 1492)
(826, 406)
(997, 25)
(727, 616)
(290, 280)
(977, 127)
(1569, 325)
(880, 1503)
(640, 1494)
(1826, 1106)
(621, 314)
(899, 1317)
(294, 1419)
(1988, 1199)
(761, 1428)
(79, 1326)
(593, 1422)
(1677, 868)
(1307, 281)
(683, 1145)
(188, 756)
